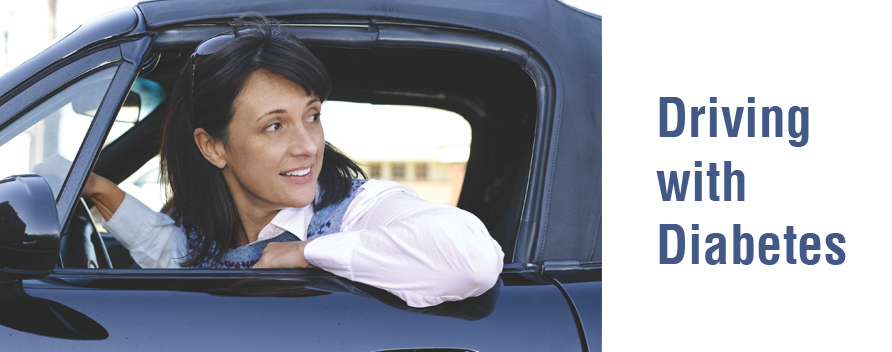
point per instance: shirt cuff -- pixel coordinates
(130, 218)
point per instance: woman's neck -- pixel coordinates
(252, 223)
(254, 212)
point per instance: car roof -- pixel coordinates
(545, 13)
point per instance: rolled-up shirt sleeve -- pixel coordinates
(425, 253)
(153, 239)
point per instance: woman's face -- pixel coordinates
(275, 147)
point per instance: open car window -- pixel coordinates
(459, 118)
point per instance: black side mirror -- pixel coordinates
(29, 228)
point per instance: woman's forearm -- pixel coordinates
(104, 194)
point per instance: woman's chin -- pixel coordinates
(303, 201)
(299, 196)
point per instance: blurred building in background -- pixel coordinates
(424, 148)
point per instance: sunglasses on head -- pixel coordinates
(208, 47)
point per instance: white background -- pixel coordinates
(834, 60)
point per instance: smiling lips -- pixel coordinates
(302, 172)
(298, 175)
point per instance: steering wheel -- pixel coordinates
(81, 245)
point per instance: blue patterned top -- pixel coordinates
(325, 221)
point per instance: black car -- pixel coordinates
(526, 75)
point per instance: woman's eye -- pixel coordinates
(273, 127)
(315, 117)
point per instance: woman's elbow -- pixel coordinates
(483, 264)
(478, 283)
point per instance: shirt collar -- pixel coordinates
(294, 220)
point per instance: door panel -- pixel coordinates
(525, 317)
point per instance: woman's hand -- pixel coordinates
(284, 255)
(104, 194)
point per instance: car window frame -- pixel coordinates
(389, 34)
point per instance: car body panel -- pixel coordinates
(584, 295)
(231, 314)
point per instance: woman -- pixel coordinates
(254, 184)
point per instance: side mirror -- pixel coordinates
(29, 228)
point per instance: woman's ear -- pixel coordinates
(210, 147)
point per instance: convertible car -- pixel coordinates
(525, 75)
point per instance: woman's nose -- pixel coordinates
(303, 141)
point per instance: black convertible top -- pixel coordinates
(568, 41)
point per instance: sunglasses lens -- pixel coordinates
(211, 45)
